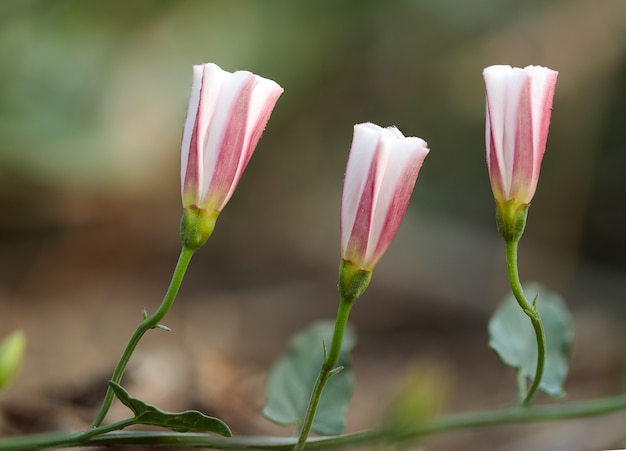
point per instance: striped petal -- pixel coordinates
(226, 116)
(518, 110)
(380, 176)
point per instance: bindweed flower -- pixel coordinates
(226, 115)
(519, 106)
(380, 176)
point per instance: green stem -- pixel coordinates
(59, 439)
(468, 420)
(147, 324)
(532, 312)
(330, 360)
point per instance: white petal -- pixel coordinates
(504, 85)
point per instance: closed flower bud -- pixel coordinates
(380, 176)
(227, 114)
(519, 106)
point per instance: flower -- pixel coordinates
(519, 105)
(226, 115)
(380, 176)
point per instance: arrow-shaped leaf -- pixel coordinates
(176, 421)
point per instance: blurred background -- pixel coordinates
(92, 101)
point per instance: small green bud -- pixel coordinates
(511, 219)
(11, 354)
(352, 281)
(196, 226)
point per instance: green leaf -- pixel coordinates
(292, 377)
(513, 338)
(177, 421)
(11, 354)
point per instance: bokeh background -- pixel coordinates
(92, 101)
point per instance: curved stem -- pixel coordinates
(532, 312)
(147, 324)
(330, 360)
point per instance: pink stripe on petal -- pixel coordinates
(265, 93)
(190, 157)
(357, 245)
(543, 87)
(358, 168)
(380, 177)
(523, 164)
(226, 115)
(229, 150)
(518, 111)
(399, 203)
(495, 176)
(215, 84)
(192, 184)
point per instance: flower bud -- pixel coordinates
(225, 119)
(380, 176)
(519, 106)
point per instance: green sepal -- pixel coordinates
(189, 420)
(353, 281)
(196, 226)
(511, 219)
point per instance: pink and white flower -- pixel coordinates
(380, 176)
(226, 115)
(519, 106)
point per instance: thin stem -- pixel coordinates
(532, 312)
(468, 420)
(330, 360)
(147, 324)
(117, 426)
(59, 439)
